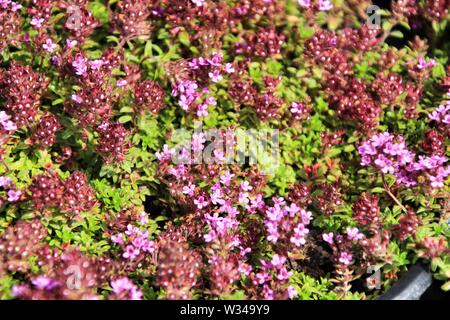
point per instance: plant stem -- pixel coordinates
(388, 190)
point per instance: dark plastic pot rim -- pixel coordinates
(411, 285)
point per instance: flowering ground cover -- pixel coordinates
(135, 138)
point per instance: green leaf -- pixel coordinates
(125, 119)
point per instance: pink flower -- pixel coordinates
(189, 189)
(49, 46)
(37, 22)
(79, 65)
(354, 234)
(143, 218)
(245, 186)
(5, 182)
(76, 98)
(202, 110)
(278, 261)
(71, 43)
(328, 237)
(96, 64)
(198, 3)
(117, 238)
(215, 76)
(14, 195)
(229, 68)
(292, 293)
(15, 6)
(165, 154)
(283, 274)
(121, 83)
(130, 252)
(4, 3)
(225, 179)
(44, 283)
(200, 202)
(423, 64)
(346, 258)
(123, 286)
(304, 3)
(325, 5)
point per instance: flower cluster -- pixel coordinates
(124, 289)
(113, 141)
(407, 225)
(389, 154)
(10, 22)
(328, 198)
(265, 42)
(74, 196)
(18, 243)
(433, 143)
(178, 269)
(321, 5)
(441, 116)
(22, 88)
(131, 18)
(44, 134)
(71, 275)
(272, 280)
(134, 241)
(367, 212)
(286, 225)
(300, 110)
(149, 96)
(12, 193)
(192, 90)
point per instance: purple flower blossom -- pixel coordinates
(96, 64)
(201, 202)
(354, 234)
(117, 238)
(4, 3)
(304, 3)
(130, 252)
(37, 22)
(423, 64)
(441, 114)
(215, 76)
(225, 178)
(189, 189)
(49, 46)
(121, 83)
(345, 258)
(198, 3)
(124, 286)
(44, 283)
(143, 218)
(71, 43)
(14, 195)
(15, 6)
(325, 5)
(6, 123)
(328, 237)
(202, 110)
(5, 182)
(292, 293)
(79, 65)
(76, 98)
(229, 68)
(245, 186)
(165, 154)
